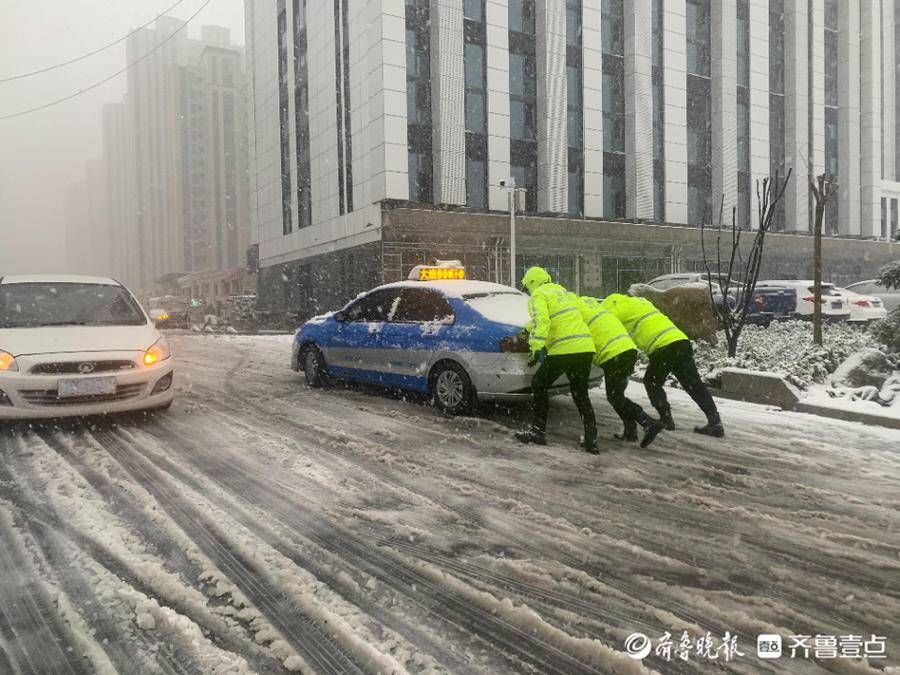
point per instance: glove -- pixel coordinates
(537, 357)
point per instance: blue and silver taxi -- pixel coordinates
(437, 333)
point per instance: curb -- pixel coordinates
(771, 389)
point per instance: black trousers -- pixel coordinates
(678, 359)
(577, 368)
(616, 372)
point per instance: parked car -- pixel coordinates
(455, 339)
(890, 298)
(835, 306)
(766, 305)
(76, 346)
(863, 308)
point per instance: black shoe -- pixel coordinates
(714, 430)
(667, 422)
(651, 430)
(589, 443)
(627, 435)
(531, 436)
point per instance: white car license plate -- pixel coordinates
(87, 386)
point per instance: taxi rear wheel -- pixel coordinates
(451, 388)
(314, 366)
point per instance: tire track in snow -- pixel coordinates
(785, 551)
(177, 562)
(302, 632)
(526, 541)
(34, 637)
(270, 495)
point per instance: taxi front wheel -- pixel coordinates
(314, 367)
(451, 389)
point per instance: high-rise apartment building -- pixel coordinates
(174, 160)
(380, 132)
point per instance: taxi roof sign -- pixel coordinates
(440, 270)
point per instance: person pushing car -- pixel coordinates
(560, 343)
(616, 355)
(669, 350)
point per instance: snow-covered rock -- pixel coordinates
(866, 368)
(688, 306)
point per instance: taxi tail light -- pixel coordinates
(861, 303)
(513, 345)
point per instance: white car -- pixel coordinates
(890, 298)
(863, 308)
(835, 306)
(75, 346)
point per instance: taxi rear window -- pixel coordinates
(506, 308)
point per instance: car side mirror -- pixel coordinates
(157, 316)
(340, 316)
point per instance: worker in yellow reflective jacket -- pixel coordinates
(669, 351)
(616, 355)
(560, 343)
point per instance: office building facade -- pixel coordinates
(628, 122)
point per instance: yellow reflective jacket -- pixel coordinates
(610, 336)
(556, 322)
(648, 327)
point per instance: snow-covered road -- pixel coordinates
(261, 526)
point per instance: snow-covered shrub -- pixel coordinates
(867, 368)
(889, 275)
(887, 331)
(787, 349)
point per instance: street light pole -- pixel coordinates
(511, 193)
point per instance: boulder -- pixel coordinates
(688, 306)
(868, 367)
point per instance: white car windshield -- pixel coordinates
(36, 305)
(507, 308)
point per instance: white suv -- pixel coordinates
(76, 346)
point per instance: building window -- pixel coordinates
(301, 115)
(476, 171)
(832, 113)
(698, 37)
(743, 157)
(613, 26)
(575, 109)
(699, 139)
(475, 68)
(699, 112)
(522, 16)
(743, 43)
(523, 99)
(418, 101)
(613, 185)
(659, 114)
(285, 124)
(613, 102)
(342, 94)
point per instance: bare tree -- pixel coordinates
(822, 187)
(738, 277)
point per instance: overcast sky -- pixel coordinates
(41, 154)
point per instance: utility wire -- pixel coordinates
(89, 54)
(114, 75)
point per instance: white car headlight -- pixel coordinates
(8, 361)
(160, 351)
